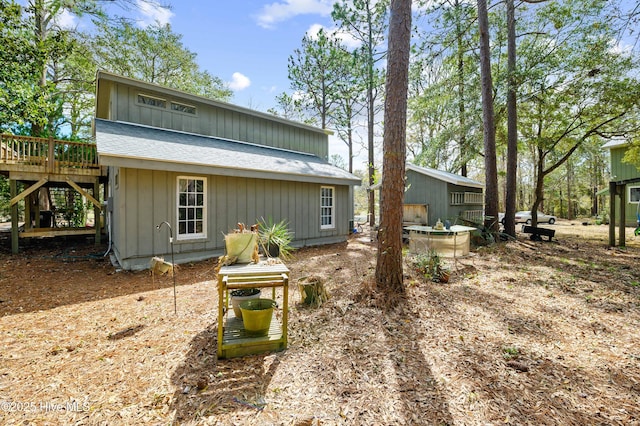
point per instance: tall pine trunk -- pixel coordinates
(512, 124)
(389, 276)
(491, 169)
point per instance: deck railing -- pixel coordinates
(48, 153)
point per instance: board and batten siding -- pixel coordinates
(209, 120)
(619, 170)
(424, 189)
(144, 198)
(622, 171)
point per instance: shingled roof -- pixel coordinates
(144, 147)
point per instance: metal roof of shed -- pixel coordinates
(440, 175)
(616, 143)
(138, 146)
(445, 176)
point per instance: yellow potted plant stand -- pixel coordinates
(233, 339)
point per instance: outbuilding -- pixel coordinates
(446, 196)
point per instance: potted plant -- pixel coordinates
(241, 245)
(275, 238)
(312, 291)
(240, 295)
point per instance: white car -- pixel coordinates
(525, 217)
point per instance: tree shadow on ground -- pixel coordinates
(72, 270)
(517, 371)
(421, 394)
(206, 386)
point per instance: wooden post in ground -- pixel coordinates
(97, 211)
(623, 210)
(13, 188)
(612, 214)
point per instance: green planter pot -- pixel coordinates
(256, 316)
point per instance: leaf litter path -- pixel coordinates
(524, 333)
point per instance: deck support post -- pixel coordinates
(13, 188)
(28, 203)
(622, 242)
(612, 213)
(97, 212)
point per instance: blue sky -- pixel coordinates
(247, 43)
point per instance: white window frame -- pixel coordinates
(637, 189)
(327, 211)
(183, 220)
(182, 108)
(151, 97)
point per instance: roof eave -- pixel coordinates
(201, 168)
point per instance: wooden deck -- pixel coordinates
(27, 158)
(32, 163)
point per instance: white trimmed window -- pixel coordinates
(327, 207)
(151, 101)
(192, 205)
(634, 194)
(187, 109)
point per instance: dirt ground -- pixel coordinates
(540, 333)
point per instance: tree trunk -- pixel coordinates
(41, 33)
(371, 118)
(389, 275)
(512, 125)
(372, 169)
(491, 169)
(461, 103)
(539, 195)
(570, 202)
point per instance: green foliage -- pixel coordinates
(47, 79)
(632, 155)
(272, 234)
(576, 89)
(154, 54)
(5, 199)
(444, 103)
(431, 266)
(29, 102)
(290, 108)
(510, 352)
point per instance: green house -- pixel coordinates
(448, 196)
(432, 194)
(624, 189)
(204, 166)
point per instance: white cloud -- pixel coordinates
(239, 81)
(153, 13)
(273, 13)
(66, 20)
(345, 38)
(620, 47)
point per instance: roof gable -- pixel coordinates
(107, 76)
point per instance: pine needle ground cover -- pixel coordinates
(523, 333)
